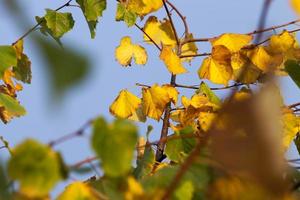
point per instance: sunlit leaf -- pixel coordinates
(234, 42)
(172, 61)
(215, 72)
(125, 105)
(189, 49)
(159, 32)
(126, 51)
(155, 100)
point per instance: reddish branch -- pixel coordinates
(72, 135)
(258, 31)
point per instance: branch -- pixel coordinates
(39, 23)
(258, 31)
(294, 105)
(216, 88)
(82, 162)
(171, 22)
(141, 29)
(72, 135)
(183, 18)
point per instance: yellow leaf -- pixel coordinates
(215, 72)
(12, 88)
(205, 120)
(172, 61)
(221, 54)
(125, 105)
(135, 190)
(160, 32)
(234, 42)
(263, 60)
(126, 51)
(144, 7)
(172, 92)
(78, 190)
(19, 48)
(239, 62)
(295, 5)
(282, 43)
(155, 100)
(291, 126)
(189, 49)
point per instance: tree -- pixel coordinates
(209, 148)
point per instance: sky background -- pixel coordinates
(47, 119)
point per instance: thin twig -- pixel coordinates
(148, 36)
(183, 18)
(72, 135)
(294, 105)
(258, 31)
(171, 22)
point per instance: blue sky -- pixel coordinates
(46, 121)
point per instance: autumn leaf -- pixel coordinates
(124, 14)
(9, 108)
(263, 60)
(234, 42)
(189, 49)
(160, 32)
(172, 61)
(215, 72)
(144, 7)
(125, 105)
(155, 100)
(282, 43)
(291, 126)
(126, 51)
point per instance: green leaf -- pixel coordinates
(185, 191)
(205, 89)
(292, 67)
(11, 106)
(59, 23)
(114, 144)
(125, 15)
(36, 167)
(23, 69)
(145, 164)
(67, 67)
(178, 148)
(8, 58)
(92, 10)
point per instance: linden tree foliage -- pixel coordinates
(210, 146)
